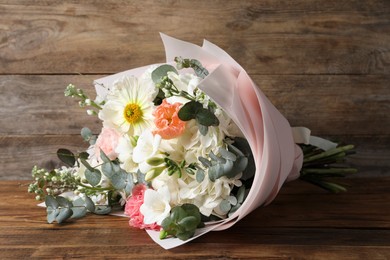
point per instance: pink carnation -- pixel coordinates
(132, 209)
(107, 142)
(167, 120)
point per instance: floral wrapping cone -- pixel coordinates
(277, 158)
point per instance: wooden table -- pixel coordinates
(302, 223)
(324, 64)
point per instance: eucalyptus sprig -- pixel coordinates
(182, 222)
(72, 91)
(321, 167)
(61, 209)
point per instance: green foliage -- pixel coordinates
(160, 72)
(229, 163)
(182, 222)
(203, 116)
(60, 209)
(87, 135)
(198, 68)
(66, 157)
(93, 177)
(321, 167)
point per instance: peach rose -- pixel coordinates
(167, 120)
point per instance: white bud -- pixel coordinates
(90, 112)
(88, 102)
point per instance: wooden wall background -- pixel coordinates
(324, 64)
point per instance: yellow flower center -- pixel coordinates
(132, 113)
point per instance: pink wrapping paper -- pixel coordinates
(277, 157)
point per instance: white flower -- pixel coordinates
(147, 147)
(125, 154)
(156, 205)
(129, 106)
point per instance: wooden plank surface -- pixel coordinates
(303, 222)
(267, 37)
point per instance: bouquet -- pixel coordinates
(186, 147)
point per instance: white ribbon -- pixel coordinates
(302, 135)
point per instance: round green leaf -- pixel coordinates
(118, 180)
(189, 110)
(66, 157)
(51, 202)
(206, 117)
(86, 134)
(89, 204)
(64, 214)
(52, 214)
(161, 72)
(63, 202)
(93, 177)
(189, 223)
(102, 210)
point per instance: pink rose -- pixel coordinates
(107, 142)
(132, 209)
(167, 121)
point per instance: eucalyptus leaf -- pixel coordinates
(63, 202)
(225, 206)
(104, 157)
(227, 155)
(206, 117)
(185, 235)
(83, 155)
(161, 72)
(232, 200)
(200, 175)
(89, 204)
(78, 212)
(241, 194)
(192, 210)
(189, 110)
(66, 156)
(79, 202)
(86, 134)
(93, 177)
(215, 172)
(51, 202)
(118, 180)
(129, 183)
(238, 167)
(206, 163)
(108, 169)
(200, 71)
(102, 210)
(189, 223)
(228, 167)
(86, 164)
(64, 214)
(52, 213)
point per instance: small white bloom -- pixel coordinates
(125, 154)
(147, 147)
(156, 205)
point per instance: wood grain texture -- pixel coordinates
(303, 222)
(267, 37)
